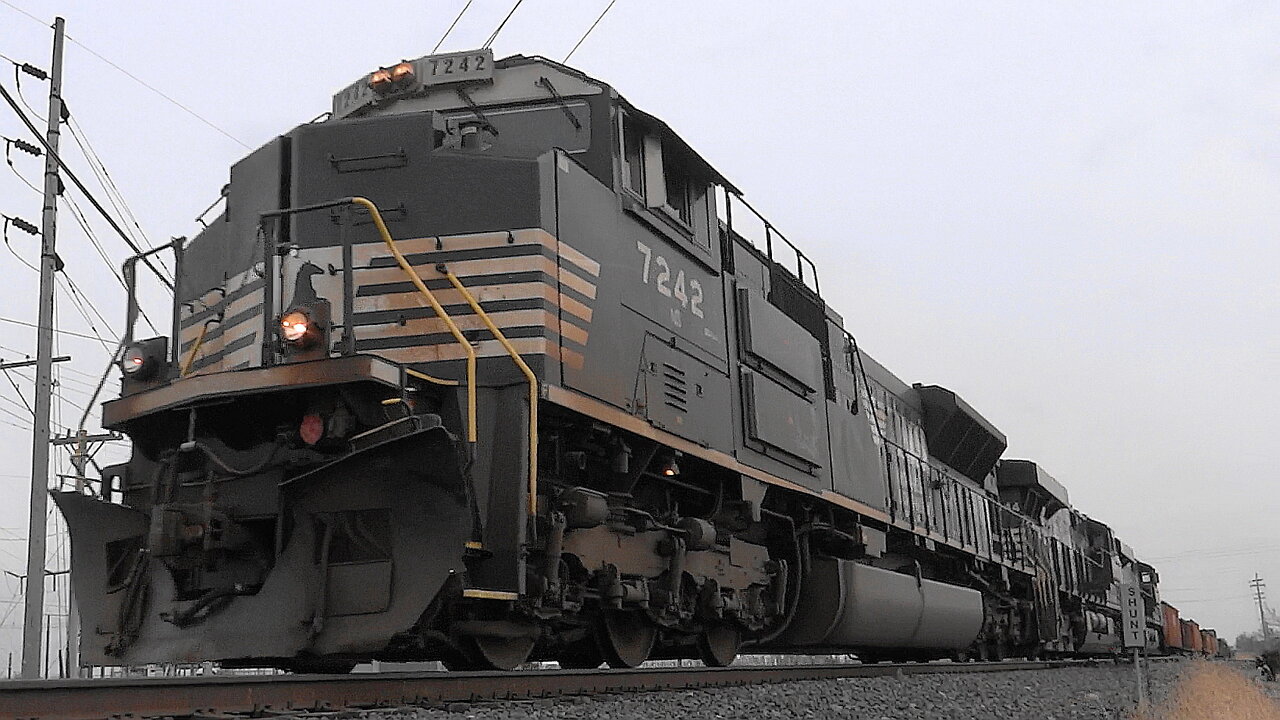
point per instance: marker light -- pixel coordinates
(311, 430)
(294, 326)
(141, 359)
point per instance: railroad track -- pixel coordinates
(283, 695)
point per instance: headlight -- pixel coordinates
(294, 326)
(399, 78)
(303, 329)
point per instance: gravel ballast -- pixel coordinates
(1105, 691)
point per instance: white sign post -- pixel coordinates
(1133, 618)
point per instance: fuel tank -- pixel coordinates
(846, 604)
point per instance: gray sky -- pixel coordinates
(1066, 212)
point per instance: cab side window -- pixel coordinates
(654, 171)
(679, 188)
(633, 157)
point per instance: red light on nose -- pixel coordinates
(311, 429)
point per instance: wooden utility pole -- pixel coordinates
(49, 265)
(1258, 586)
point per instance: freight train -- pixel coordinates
(488, 365)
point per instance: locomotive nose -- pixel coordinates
(356, 550)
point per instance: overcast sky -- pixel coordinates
(1066, 212)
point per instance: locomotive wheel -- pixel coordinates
(582, 655)
(625, 638)
(719, 645)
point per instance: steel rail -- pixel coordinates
(284, 694)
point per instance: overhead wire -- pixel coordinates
(76, 180)
(497, 30)
(78, 214)
(588, 32)
(135, 78)
(14, 415)
(58, 331)
(17, 390)
(452, 26)
(81, 220)
(109, 184)
(78, 299)
(73, 385)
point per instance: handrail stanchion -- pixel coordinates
(528, 375)
(435, 305)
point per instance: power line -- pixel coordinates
(78, 214)
(588, 32)
(78, 299)
(92, 200)
(501, 25)
(56, 330)
(18, 390)
(452, 26)
(13, 414)
(104, 178)
(136, 79)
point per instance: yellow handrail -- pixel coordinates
(429, 378)
(528, 375)
(435, 305)
(191, 358)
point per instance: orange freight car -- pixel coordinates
(1191, 636)
(1172, 626)
(1209, 642)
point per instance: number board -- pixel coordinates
(432, 70)
(455, 67)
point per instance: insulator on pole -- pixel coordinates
(34, 71)
(23, 225)
(27, 147)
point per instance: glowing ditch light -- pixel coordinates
(140, 360)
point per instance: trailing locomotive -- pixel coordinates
(487, 367)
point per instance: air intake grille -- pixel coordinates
(675, 389)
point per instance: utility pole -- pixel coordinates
(49, 264)
(1258, 586)
(80, 458)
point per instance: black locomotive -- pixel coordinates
(490, 366)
